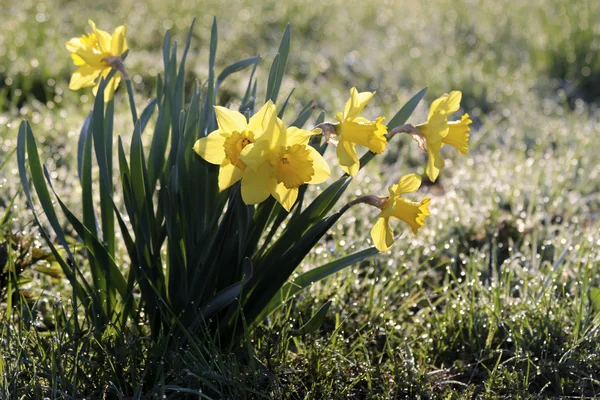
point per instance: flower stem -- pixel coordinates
(131, 101)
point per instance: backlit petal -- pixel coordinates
(229, 120)
(346, 153)
(286, 197)
(382, 234)
(118, 43)
(434, 161)
(211, 147)
(83, 76)
(356, 103)
(263, 120)
(322, 171)
(255, 154)
(104, 38)
(407, 184)
(228, 175)
(256, 185)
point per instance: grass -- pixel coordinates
(490, 300)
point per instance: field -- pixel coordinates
(497, 296)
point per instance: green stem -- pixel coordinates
(131, 101)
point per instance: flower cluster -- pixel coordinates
(271, 159)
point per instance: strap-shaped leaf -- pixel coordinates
(233, 68)
(289, 289)
(406, 111)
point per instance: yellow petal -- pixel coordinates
(300, 136)
(322, 171)
(110, 88)
(263, 120)
(229, 120)
(211, 147)
(458, 134)
(346, 153)
(84, 54)
(83, 76)
(382, 234)
(228, 175)
(434, 161)
(104, 38)
(118, 43)
(286, 197)
(407, 184)
(356, 103)
(412, 213)
(257, 185)
(255, 154)
(446, 104)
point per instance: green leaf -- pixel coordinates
(402, 116)
(233, 68)
(282, 58)
(272, 78)
(315, 322)
(289, 289)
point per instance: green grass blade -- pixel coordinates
(315, 322)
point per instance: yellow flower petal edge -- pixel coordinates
(398, 207)
(353, 129)
(224, 146)
(92, 54)
(438, 131)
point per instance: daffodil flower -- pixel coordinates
(397, 207)
(279, 163)
(95, 54)
(353, 130)
(438, 131)
(224, 145)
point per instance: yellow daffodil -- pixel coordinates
(279, 163)
(224, 145)
(397, 207)
(353, 130)
(95, 54)
(438, 131)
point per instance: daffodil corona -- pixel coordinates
(353, 130)
(279, 163)
(95, 54)
(397, 207)
(439, 131)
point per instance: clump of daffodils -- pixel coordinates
(271, 159)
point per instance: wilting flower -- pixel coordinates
(438, 131)
(95, 54)
(353, 130)
(224, 145)
(397, 207)
(279, 163)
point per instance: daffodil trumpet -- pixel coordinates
(395, 206)
(438, 131)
